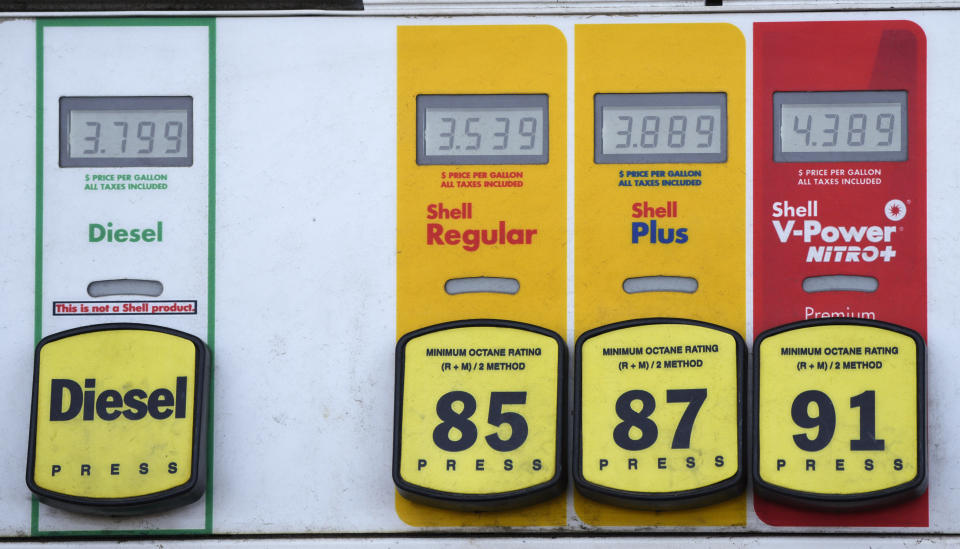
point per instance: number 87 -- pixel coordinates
(641, 419)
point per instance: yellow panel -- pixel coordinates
(667, 58)
(552, 512)
(490, 59)
(840, 362)
(85, 425)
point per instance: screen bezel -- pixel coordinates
(128, 103)
(424, 102)
(840, 98)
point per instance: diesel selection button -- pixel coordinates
(118, 423)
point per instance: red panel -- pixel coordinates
(840, 56)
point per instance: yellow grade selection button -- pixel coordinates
(478, 414)
(118, 422)
(659, 413)
(839, 414)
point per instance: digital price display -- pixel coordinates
(659, 414)
(839, 414)
(478, 415)
(840, 126)
(126, 132)
(482, 129)
(643, 128)
(118, 424)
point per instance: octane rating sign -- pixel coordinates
(839, 417)
(479, 408)
(118, 421)
(659, 413)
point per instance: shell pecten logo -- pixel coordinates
(118, 419)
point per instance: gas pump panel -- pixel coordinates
(523, 271)
(840, 216)
(124, 200)
(119, 419)
(659, 281)
(480, 366)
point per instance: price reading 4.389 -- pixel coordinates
(478, 414)
(840, 126)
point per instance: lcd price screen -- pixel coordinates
(126, 131)
(840, 126)
(639, 128)
(482, 129)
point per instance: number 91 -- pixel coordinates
(826, 421)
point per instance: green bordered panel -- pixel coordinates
(118, 420)
(839, 414)
(659, 413)
(68, 259)
(479, 409)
